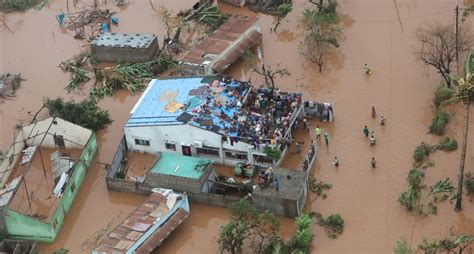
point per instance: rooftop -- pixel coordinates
(41, 157)
(180, 165)
(291, 184)
(222, 38)
(219, 105)
(148, 226)
(119, 40)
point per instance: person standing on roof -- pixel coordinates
(318, 132)
(366, 131)
(326, 138)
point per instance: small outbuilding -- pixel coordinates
(118, 47)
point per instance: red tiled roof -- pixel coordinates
(220, 39)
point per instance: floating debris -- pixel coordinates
(9, 83)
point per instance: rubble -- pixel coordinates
(9, 83)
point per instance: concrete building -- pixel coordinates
(148, 226)
(117, 47)
(41, 176)
(223, 47)
(206, 117)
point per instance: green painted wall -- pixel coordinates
(26, 228)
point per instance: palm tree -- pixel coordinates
(463, 92)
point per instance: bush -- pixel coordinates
(448, 144)
(402, 247)
(414, 178)
(334, 224)
(421, 151)
(411, 199)
(439, 122)
(17, 5)
(85, 113)
(303, 237)
(469, 183)
(442, 94)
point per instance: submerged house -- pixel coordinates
(41, 176)
(220, 119)
(223, 47)
(146, 228)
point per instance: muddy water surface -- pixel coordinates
(377, 32)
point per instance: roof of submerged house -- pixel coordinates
(221, 39)
(148, 225)
(171, 102)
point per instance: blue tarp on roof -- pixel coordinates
(151, 108)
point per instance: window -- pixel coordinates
(170, 146)
(59, 141)
(261, 158)
(142, 142)
(235, 155)
(209, 151)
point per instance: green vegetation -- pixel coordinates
(442, 95)
(246, 223)
(282, 11)
(318, 187)
(249, 228)
(302, 239)
(448, 245)
(469, 182)
(439, 122)
(448, 144)
(421, 151)
(213, 17)
(127, 76)
(61, 251)
(273, 153)
(18, 5)
(85, 113)
(323, 31)
(411, 198)
(442, 190)
(464, 93)
(333, 224)
(75, 67)
(402, 247)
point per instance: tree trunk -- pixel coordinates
(463, 157)
(446, 79)
(277, 24)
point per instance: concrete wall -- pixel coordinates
(182, 135)
(24, 227)
(237, 3)
(14, 153)
(125, 54)
(189, 69)
(75, 136)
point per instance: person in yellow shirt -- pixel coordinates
(318, 132)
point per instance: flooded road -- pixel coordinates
(377, 32)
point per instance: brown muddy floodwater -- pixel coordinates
(377, 32)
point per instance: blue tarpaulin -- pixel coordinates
(60, 18)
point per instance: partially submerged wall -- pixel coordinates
(115, 47)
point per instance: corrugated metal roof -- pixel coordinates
(138, 231)
(220, 39)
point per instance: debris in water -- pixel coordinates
(9, 83)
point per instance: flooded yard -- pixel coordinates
(377, 32)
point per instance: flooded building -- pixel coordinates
(118, 47)
(223, 47)
(147, 227)
(214, 118)
(41, 176)
(211, 184)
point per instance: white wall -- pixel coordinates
(181, 135)
(77, 134)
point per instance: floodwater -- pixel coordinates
(377, 32)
